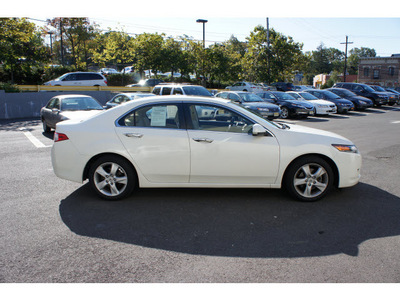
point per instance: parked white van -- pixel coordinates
(79, 79)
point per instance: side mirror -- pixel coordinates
(258, 130)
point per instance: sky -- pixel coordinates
(306, 21)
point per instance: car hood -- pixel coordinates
(306, 104)
(80, 114)
(322, 102)
(360, 98)
(318, 133)
(259, 104)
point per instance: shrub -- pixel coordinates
(120, 79)
(9, 88)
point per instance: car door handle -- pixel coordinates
(203, 140)
(135, 135)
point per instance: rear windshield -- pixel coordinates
(80, 103)
(196, 91)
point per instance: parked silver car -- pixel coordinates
(66, 107)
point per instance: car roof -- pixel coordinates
(72, 96)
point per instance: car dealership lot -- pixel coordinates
(57, 231)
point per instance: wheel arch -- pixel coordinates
(331, 163)
(85, 174)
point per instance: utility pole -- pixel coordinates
(61, 43)
(269, 79)
(345, 58)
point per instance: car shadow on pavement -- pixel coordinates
(18, 124)
(237, 222)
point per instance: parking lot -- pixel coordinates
(57, 231)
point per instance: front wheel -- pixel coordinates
(112, 177)
(309, 178)
(284, 112)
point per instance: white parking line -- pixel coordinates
(34, 140)
(395, 122)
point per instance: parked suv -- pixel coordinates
(392, 97)
(283, 86)
(79, 79)
(364, 90)
(181, 89)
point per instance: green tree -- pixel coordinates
(147, 52)
(77, 35)
(173, 59)
(355, 55)
(277, 62)
(21, 49)
(113, 47)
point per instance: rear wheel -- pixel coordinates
(309, 178)
(112, 177)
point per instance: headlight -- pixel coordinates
(362, 102)
(346, 148)
(262, 109)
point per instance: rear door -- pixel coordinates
(156, 139)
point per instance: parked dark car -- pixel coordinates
(290, 107)
(68, 107)
(343, 106)
(360, 103)
(283, 86)
(146, 82)
(364, 90)
(392, 90)
(252, 102)
(392, 97)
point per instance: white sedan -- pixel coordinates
(321, 107)
(246, 87)
(166, 141)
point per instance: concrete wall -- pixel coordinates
(28, 104)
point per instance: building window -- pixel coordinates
(366, 72)
(376, 74)
(391, 71)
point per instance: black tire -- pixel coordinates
(112, 177)
(46, 128)
(309, 178)
(284, 112)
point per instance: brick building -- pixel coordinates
(383, 71)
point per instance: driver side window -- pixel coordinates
(214, 118)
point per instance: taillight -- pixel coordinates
(105, 81)
(58, 137)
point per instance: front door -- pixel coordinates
(224, 151)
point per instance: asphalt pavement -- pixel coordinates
(54, 230)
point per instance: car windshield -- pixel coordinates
(61, 77)
(266, 96)
(379, 89)
(368, 88)
(249, 97)
(80, 103)
(308, 96)
(283, 96)
(344, 93)
(196, 91)
(330, 95)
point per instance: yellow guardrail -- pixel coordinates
(38, 88)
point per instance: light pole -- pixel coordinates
(204, 30)
(204, 43)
